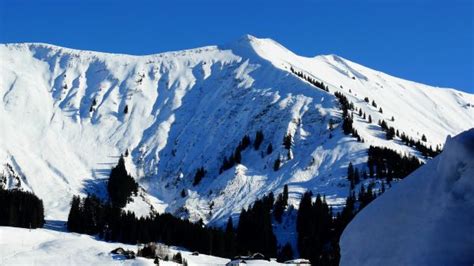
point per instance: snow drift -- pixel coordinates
(427, 219)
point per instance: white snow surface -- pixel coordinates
(188, 109)
(52, 246)
(426, 219)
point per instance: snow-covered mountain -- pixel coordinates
(67, 115)
(426, 219)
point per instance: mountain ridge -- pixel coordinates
(189, 109)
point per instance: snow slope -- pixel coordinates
(64, 126)
(51, 246)
(427, 219)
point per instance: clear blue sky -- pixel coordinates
(421, 40)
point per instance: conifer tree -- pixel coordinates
(237, 156)
(287, 141)
(121, 185)
(73, 224)
(269, 148)
(200, 173)
(279, 208)
(258, 140)
(356, 176)
(347, 125)
(285, 195)
(350, 172)
(277, 164)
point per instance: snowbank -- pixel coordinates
(427, 219)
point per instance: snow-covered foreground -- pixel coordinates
(20, 246)
(427, 219)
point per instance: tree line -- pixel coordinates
(314, 82)
(21, 209)
(254, 232)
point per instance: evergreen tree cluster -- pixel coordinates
(254, 231)
(21, 209)
(347, 121)
(387, 163)
(420, 146)
(253, 234)
(236, 157)
(121, 185)
(366, 195)
(319, 231)
(315, 227)
(354, 176)
(314, 82)
(91, 216)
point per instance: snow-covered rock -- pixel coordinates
(427, 219)
(63, 122)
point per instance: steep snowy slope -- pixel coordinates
(64, 122)
(427, 219)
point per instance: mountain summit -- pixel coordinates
(67, 116)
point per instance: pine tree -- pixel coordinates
(121, 185)
(279, 208)
(356, 176)
(200, 173)
(287, 141)
(229, 226)
(237, 156)
(350, 172)
(244, 143)
(304, 219)
(269, 149)
(125, 110)
(423, 138)
(347, 125)
(73, 224)
(370, 119)
(285, 195)
(258, 140)
(277, 164)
